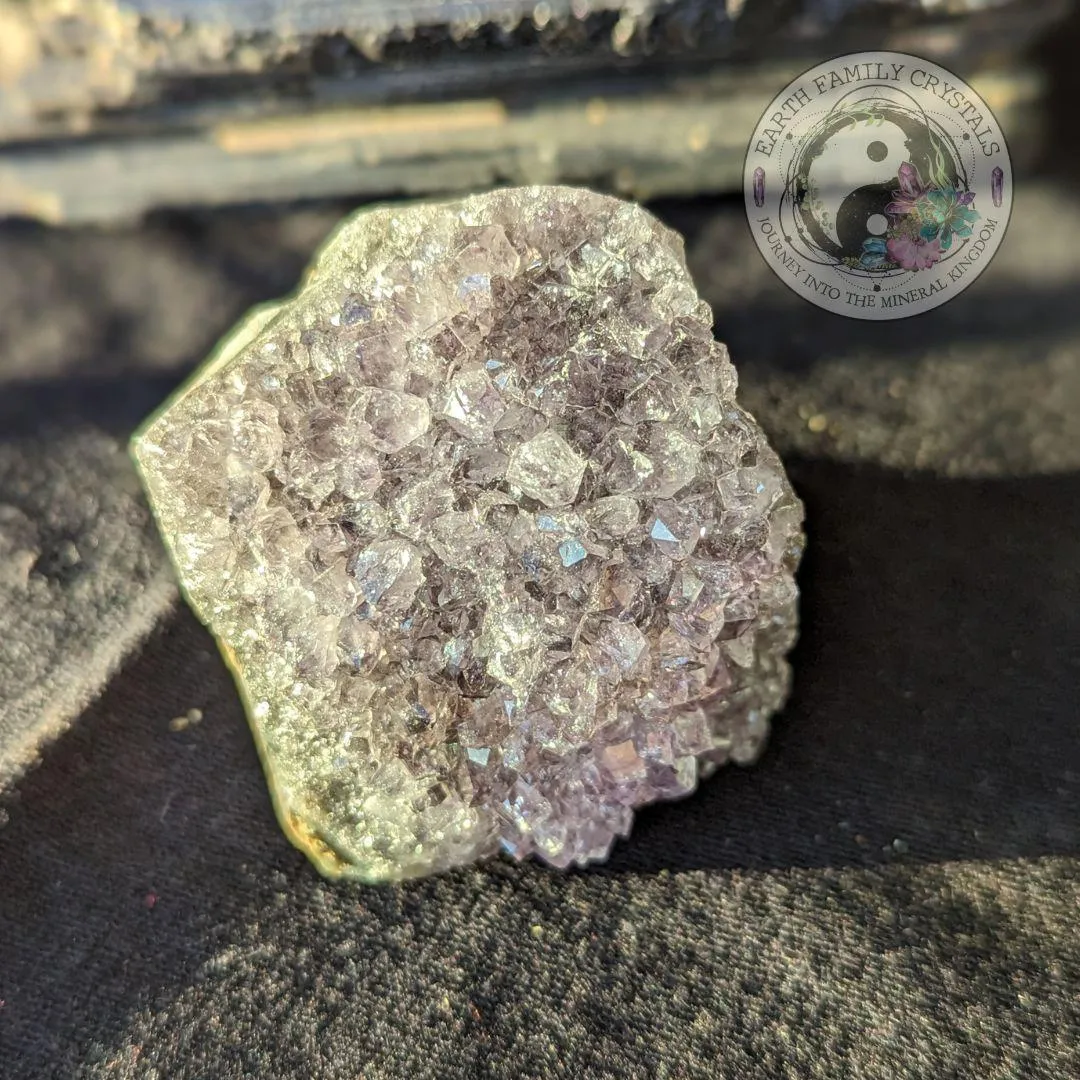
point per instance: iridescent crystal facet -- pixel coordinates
(493, 552)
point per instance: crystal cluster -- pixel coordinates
(492, 550)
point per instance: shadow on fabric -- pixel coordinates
(933, 719)
(932, 716)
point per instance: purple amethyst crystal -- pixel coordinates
(997, 185)
(759, 187)
(492, 550)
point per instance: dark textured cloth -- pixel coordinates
(892, 892)
(95, 329)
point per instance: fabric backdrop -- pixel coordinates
(892, 892)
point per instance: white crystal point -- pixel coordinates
(490, 547)
(546, 468)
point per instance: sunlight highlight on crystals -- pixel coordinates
(492, 550)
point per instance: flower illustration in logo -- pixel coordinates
(925, 217)
(912, 189)
(946, 213)
(875, 253)
(914, 254)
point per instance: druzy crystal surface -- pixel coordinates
(494, 554)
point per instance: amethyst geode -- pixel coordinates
(493, 552)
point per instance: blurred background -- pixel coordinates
(166, 164)
(111, 108)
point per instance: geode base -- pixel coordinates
(490, 547)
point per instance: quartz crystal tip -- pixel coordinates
(491, 549)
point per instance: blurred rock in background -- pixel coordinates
(110, 108)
